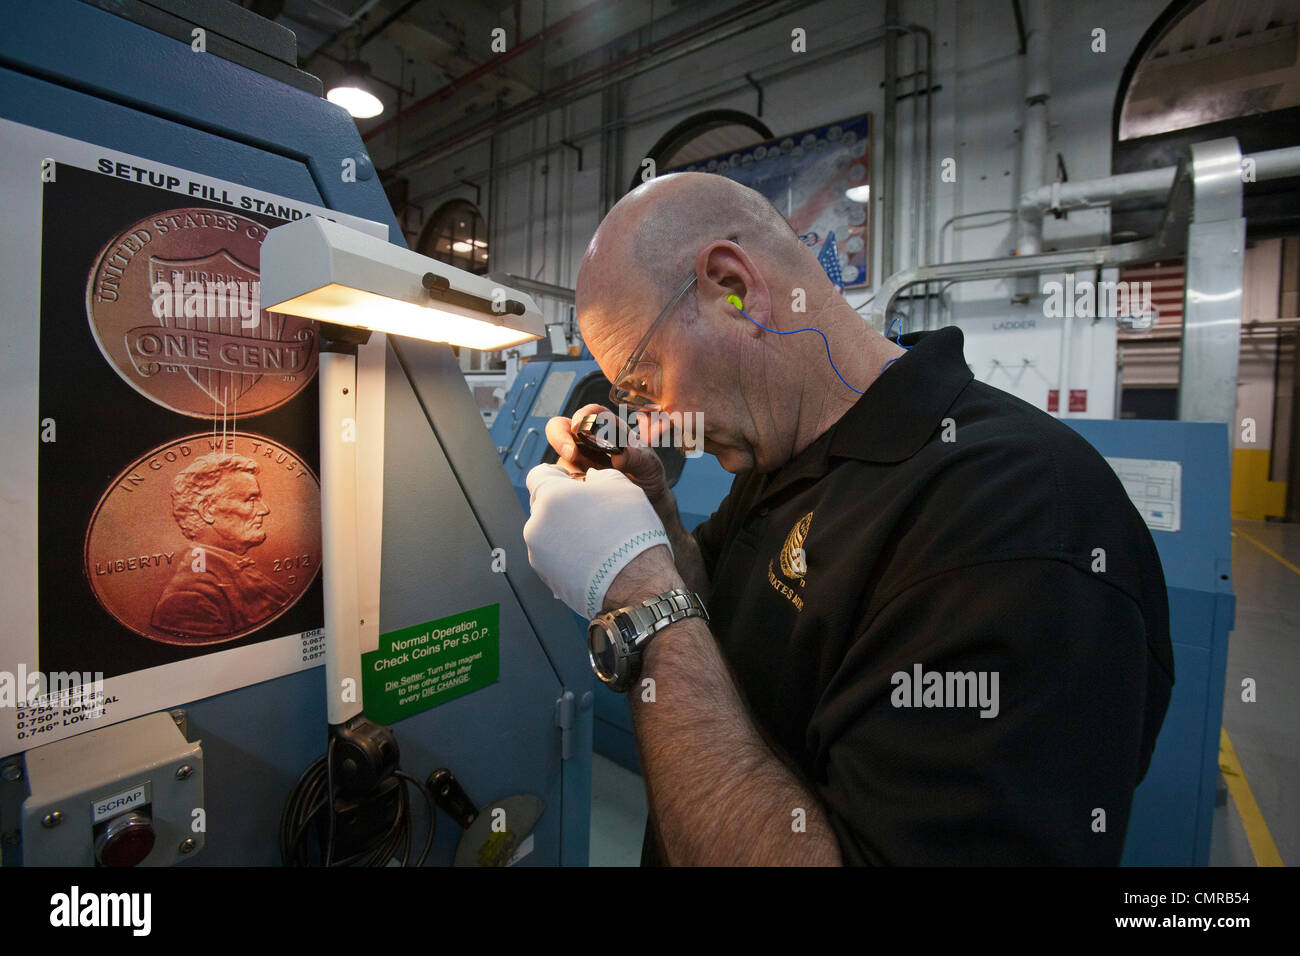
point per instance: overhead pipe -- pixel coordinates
(975, 270)
(920, 183)
(1033, 127)
(923, 196)
(1063, 376)
(930, 212)
(888, 163)
(1276, 163)
(1269, 164)
(1076, 195)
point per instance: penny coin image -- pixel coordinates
(173, 303)
(205, 539)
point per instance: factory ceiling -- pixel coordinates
(438, 53)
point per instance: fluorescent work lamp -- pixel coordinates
(353, 284)
(321, 270)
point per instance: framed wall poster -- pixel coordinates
(170, 499)
(805, 175)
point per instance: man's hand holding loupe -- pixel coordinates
(598, 543)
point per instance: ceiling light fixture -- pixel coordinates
(355, 92)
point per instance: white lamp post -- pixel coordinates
(352, 284)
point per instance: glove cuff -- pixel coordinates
(608, 570)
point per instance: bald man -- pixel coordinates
(926, 625)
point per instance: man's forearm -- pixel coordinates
(686, 553)
(718, 794)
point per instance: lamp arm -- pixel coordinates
(338, 459)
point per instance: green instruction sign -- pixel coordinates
(425, 665)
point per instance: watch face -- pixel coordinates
(604, 656)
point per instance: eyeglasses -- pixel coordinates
(637, 383)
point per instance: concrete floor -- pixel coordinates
(1264, 646)
(618, 813)
(1265, 734)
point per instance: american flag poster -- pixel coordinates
(807, 175)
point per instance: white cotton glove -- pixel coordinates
(582, 533)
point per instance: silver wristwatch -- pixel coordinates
(617, 639)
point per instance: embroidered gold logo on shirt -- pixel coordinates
(793, 562)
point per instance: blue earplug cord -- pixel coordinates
(734, 300)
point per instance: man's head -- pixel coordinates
(759, 393)
(216, 501)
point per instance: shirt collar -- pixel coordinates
(895, 416)
(902, 408)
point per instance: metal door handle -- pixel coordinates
(514, 409)
(524, 444)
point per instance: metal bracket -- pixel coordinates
(754, 83)
(576, 148)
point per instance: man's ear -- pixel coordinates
(724, 269)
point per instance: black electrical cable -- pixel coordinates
(309, 798)
(329, 776)
(433, 813)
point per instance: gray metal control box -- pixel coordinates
(130, 794)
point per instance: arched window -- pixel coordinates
(1209, 61)
(457, 235)
(1206, 70)
(704, 134)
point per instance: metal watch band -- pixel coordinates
(653, 615)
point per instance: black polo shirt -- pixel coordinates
(915, 611)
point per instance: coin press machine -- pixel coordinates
(129, 80)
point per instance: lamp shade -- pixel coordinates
(319, 269)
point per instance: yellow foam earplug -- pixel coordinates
(735, 300)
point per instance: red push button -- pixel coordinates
(125, 841)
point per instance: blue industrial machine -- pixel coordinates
(130, 79)
(546, 387)
(1173, 808)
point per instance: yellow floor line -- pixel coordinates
(1267, 550)
(1261, 841)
